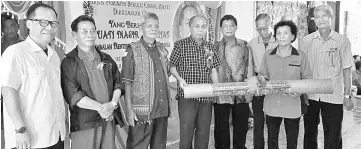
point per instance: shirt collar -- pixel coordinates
(332, 35)
(146, 44)
(293, 52)
(272, 40)
(193, 41)
(82, 54)
(223, 41)
(35, 47)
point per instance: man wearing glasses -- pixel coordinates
(234, 56)
(259, 46)
(34, 112)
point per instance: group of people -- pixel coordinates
(35, 83)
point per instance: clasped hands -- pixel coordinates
(254, 82)
(106, 111)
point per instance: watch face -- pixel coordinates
(22, 130)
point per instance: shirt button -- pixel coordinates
(159, 80)
(161, 100)
(160, 90)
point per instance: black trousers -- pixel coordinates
(143, 135)
(292, 126)
(2, 136)
(195, 120)
(240, 115)
(58, 145)
(332, 116)
(258, 122)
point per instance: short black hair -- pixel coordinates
(262, 16)
(358, 65)
(31, 11)
(355, 56)
(228, 17)
(7, 16)
(74, 24)
(288, 23)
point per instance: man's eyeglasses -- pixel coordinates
(263, 28)
(45, 23)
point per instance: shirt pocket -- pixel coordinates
(334, 60)
(295, 70)
(36, 75)
(36, 71)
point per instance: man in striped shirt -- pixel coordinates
(329, 54)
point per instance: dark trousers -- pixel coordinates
(292, 126)
(154, 134)
(240, 115)
(195, 119)
(2, 136)
(332, 115)
(59, 145)
(258, 122)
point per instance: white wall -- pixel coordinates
(72, 10)
(354, 22)
(244, 12)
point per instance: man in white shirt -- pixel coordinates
(34, 112)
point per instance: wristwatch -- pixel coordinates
(114, 104)
(21, 130)
(347, 96)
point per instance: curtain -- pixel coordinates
(286, 10)
(17, 7)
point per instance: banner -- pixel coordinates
(118, 22)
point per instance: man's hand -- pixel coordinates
(109, 118)
(182, 83)
(106, 110)
(131, 116)
(252, 85)
(292, 94)
(348, 104)
(248, 97)
(23, 140)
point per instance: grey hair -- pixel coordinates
(262, 16)
(147, 16)
(197, 16)
(181, 15)
(324, 8)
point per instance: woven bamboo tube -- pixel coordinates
(306, 86)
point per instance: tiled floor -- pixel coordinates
(351, 133)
